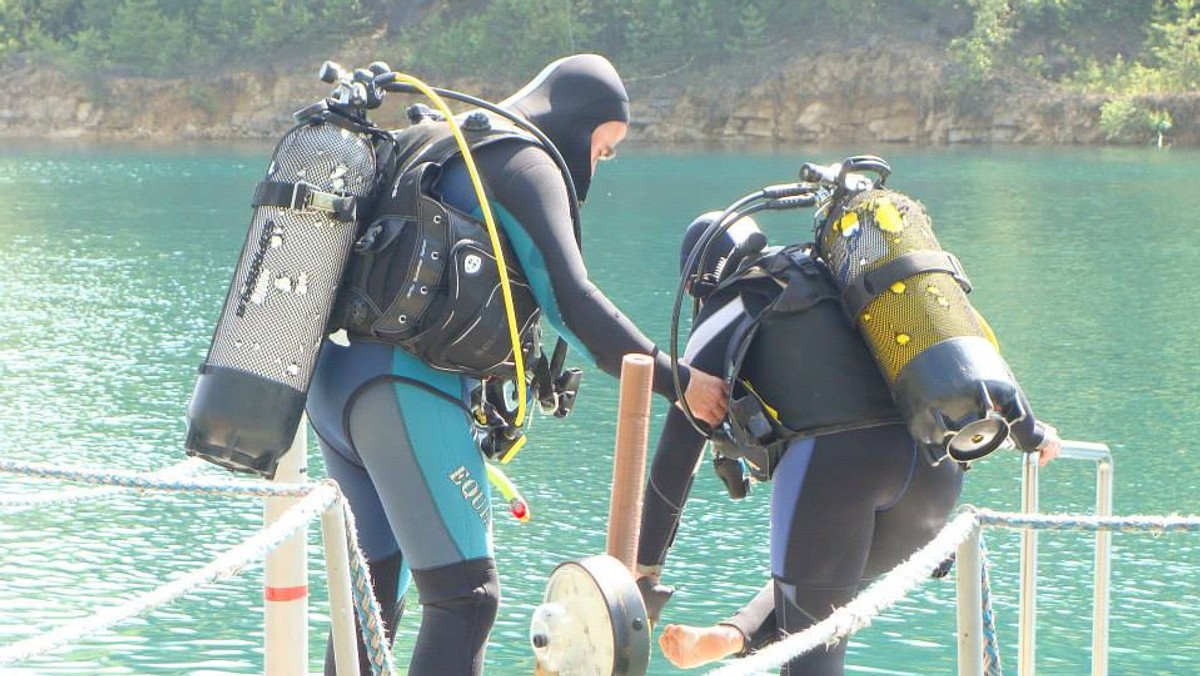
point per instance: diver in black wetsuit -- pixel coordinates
(846, 506)
(395, 432)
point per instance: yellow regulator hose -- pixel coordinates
(494, 236)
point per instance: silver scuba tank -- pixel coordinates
(251, 390)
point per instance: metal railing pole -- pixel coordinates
(1102, 456)
(1100, 598)
(1027, 617)
(969, 567)
(341, 599)
(285, 589)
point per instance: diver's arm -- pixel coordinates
(531, 189)
(672, 471)
(756, 620)
(1035, 436)
(680, 446)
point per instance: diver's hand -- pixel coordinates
(706, 397)
(1050, 447)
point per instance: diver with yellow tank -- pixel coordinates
(866, 460)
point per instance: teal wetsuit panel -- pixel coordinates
(396, 437)
(448, 462)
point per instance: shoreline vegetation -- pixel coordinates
(1038, 72)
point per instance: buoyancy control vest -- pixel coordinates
(795, 365)
(423, 276)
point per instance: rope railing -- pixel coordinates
(143, 481)
(1061, 522)
(189, 467)
(319, 498)
(366, 607)
(857, 614)
(315, 500)
(896, 584)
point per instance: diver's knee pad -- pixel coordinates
(467, 585)
(459, 604)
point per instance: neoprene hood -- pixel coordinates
(567, 101)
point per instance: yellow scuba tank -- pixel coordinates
(251, 390)
(909, 299)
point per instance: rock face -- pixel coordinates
(881, 93)
(868, 95)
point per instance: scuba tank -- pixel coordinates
(251, 390)
(908, 298)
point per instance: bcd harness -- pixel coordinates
(795, 365)
(423, 277)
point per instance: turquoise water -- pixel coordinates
(114, 261)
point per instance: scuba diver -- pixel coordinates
(398, 433)
(853, 493)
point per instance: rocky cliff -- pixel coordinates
(868, 93)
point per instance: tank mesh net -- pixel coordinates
(915, 313)
(287, 276)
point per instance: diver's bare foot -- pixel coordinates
(686, 646)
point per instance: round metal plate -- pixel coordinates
(592, 621)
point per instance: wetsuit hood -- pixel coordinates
(567, 101)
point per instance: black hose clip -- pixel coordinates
(496, 440)
(566, 386)
(555, 385)
(732, 473)
(495, 429)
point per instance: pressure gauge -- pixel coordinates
(592, 621)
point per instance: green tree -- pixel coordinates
(144, 38)
(977, 53)
(1175, 45)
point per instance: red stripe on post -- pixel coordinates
(285, 593)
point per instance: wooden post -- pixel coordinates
(629, 458)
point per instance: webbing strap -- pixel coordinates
(423, 273)
(859, 293)
(304, 197)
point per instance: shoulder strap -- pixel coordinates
(863, 290)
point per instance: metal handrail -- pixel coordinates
(1071, 450)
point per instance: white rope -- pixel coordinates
(189, 467)
(370, 620)
(226, 565)
(857, 614)
(140, 481)
(1132, 523)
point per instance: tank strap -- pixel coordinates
(305, 197)
(862, 291)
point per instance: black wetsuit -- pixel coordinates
(845, 506)
(395, 432)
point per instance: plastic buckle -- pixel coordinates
(305, 197)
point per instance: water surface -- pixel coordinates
(114, 261)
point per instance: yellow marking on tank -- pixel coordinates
(847, 225)
(898, 287)
(888, 217)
